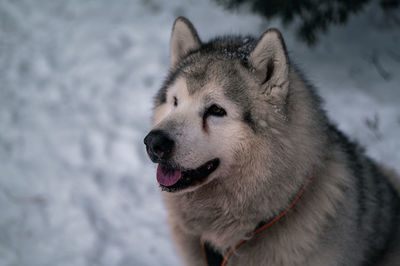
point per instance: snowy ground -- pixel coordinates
(76, 83)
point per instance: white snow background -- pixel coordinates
(77, 80)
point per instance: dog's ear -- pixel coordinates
(271, 65)
(183, 40)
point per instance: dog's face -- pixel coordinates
(204, 119)
(196, 135)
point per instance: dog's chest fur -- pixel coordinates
(215, 215)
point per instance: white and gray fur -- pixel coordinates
(274, 135)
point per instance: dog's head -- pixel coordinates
(217, 101)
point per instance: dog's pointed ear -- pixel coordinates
(271, 65)
(184, 39)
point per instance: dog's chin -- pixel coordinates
(187, 179)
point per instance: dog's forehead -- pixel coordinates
(218, 75)
(206, 82)
(203, 91)
(196, 76)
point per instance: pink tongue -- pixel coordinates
(167, 177)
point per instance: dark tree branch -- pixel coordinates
(314, 17)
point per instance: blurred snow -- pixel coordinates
(76, 85)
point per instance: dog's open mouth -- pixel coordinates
(172, 180)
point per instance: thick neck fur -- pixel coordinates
(226, 209)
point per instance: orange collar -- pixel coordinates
(218, 257)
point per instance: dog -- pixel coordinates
(252, 170)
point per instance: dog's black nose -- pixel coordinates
(159, 145)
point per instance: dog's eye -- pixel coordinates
(175, 101)
(215, 110)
